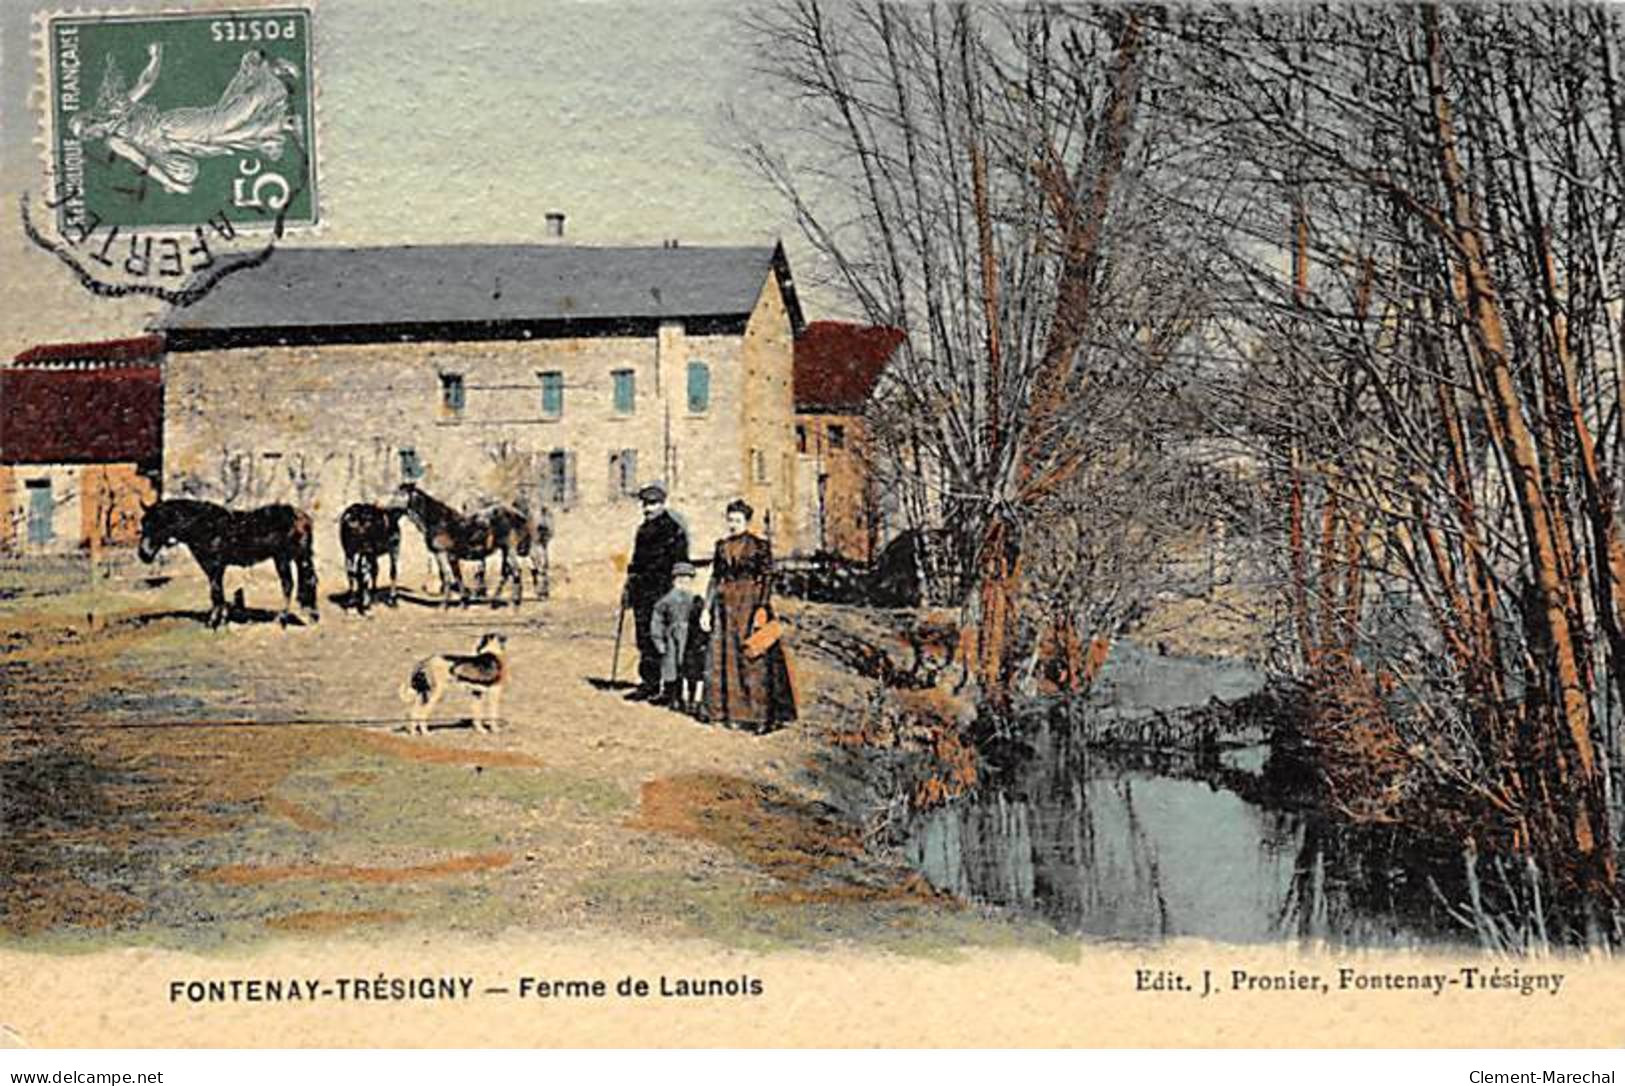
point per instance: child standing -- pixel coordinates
(672, 626)
(694, 661)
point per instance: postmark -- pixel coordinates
(177, 147)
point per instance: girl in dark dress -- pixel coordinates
(750, 693)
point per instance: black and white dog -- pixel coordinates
(484, 675)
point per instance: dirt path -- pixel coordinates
(164, 783)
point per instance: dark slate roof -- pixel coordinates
(343, 291)
(838, 364)
(101, 415)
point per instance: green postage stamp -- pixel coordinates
(170, 135)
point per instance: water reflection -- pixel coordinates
(1133, 849)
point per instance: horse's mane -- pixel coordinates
(432, 506)
(177, 511)
(188, 505)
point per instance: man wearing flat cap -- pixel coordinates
(661, 543)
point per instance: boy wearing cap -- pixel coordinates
(671, 626)
(661, 543)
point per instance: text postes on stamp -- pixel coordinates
(176, 144)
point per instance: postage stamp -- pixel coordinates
(174, 140)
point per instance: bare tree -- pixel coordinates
(975, 176)
(1426, 320)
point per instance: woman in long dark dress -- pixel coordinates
(748, 693)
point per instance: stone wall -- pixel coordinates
(767, 456)
(837, 500)
(324, 426)
(110, 505)
(11, 525)
(93, 505)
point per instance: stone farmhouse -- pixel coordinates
(80, 432)
(554, 375)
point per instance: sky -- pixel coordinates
(456, 122)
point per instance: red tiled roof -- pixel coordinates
(838, 364)
(107, 415)
(140, 349)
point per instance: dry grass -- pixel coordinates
(320, 922)
(244, 875)
(781, 834)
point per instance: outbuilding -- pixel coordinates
(81, 431)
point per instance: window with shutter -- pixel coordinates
(699, 388)
(558, 477)
(411, 467)
(41, 511)
(623, 474)
(625, 391)
(451, 395)
(552, 394)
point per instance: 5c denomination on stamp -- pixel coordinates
(177, 146)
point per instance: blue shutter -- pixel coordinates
(699, 387)
(41, 511)
(625, 391)
(451, 392)
(629, 471)
(556, 477)
(623, 473)
(552, 395)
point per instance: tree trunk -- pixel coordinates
(1045, 456)
(1476, 294)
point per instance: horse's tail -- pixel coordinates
(305, 560)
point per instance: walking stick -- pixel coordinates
(615, 664)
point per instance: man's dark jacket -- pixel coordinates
(661, 543)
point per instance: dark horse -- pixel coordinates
(533, 534)
(366, 532)
(219, 537)
(454, 538)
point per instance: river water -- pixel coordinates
(1145, 848)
